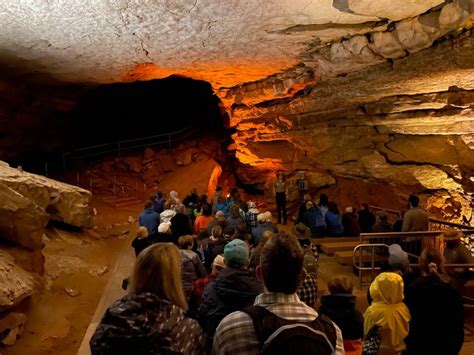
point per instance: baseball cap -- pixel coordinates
(236, 253)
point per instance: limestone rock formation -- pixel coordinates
(11, 327)
(15, 283)
(21, 220)
(63, 202)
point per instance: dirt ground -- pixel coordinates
(80, 262)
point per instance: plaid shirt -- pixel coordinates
(236, 334)
(308, 291)
(251, 219)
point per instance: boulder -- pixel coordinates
(63, 202)
(21, 220)
(134, 163)
(184, 158)
(16, 284)
(11, 327)
(167, 163)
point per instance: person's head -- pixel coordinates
(365, 206)
(245, 237)
(228, 232)
(280, 176)
(218, 189)
(186, 242)
(309, 204)
(397, 258)
(413, 201)
(164, 227)
(167, 205)
(203, 198)
(432, 263)
(267, 216)
(218, 264)
(158, 270)
(452, 238)
(173, 194)
(206, 209)
(306, 197)
(387, 288)
(148, 205)
(332, 207)
(261, 218)
(180, 208)
(142, 232)
(193, 191)
(159, 195)
(234, 211)
(220, 216)
(340, 285)
(236, 254)
(323, 200)
(349, 210)
(251, 205)
(282, 255)
(382, 216)
(216, 231)
(266, 235)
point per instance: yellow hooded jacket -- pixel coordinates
(388, 311)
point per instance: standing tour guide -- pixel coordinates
(280, 196)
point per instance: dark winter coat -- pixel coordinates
(191, 270)
(314, 220)
(139, 244)
(144, 324)
(232, 290)
(437, 317)
(351, 226)
(341, 309)
(214, 248)
(181, 225)
(366, 221)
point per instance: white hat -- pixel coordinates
(349, 210)
(164, 227)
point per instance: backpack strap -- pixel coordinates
(268, 326)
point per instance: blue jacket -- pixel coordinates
(333, 222)
(314, 220)
(150, 220)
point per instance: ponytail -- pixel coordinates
(431, 262)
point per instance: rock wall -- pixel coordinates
(407, 124)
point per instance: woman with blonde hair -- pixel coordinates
(150, 319)
(437, 324)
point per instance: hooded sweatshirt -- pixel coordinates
(341, 309)
(232, 290)
(150, 220)
(388, 312)
(145, 324)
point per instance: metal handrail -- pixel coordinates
(122, 145)
(450, 224)
(389, 235)
(398, 213)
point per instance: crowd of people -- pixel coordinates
(219, 277)
(325, 219)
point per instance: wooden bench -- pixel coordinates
(333, 247)
(345, 257)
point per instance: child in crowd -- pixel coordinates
(339, 305)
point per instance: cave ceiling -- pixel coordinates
(224, 42)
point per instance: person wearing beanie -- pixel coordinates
(234, 288)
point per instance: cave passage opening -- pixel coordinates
(125, 118)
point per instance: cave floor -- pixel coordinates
(82, 262)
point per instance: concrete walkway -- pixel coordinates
(112, 292)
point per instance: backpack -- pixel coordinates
(310, 262)
(277, 335)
